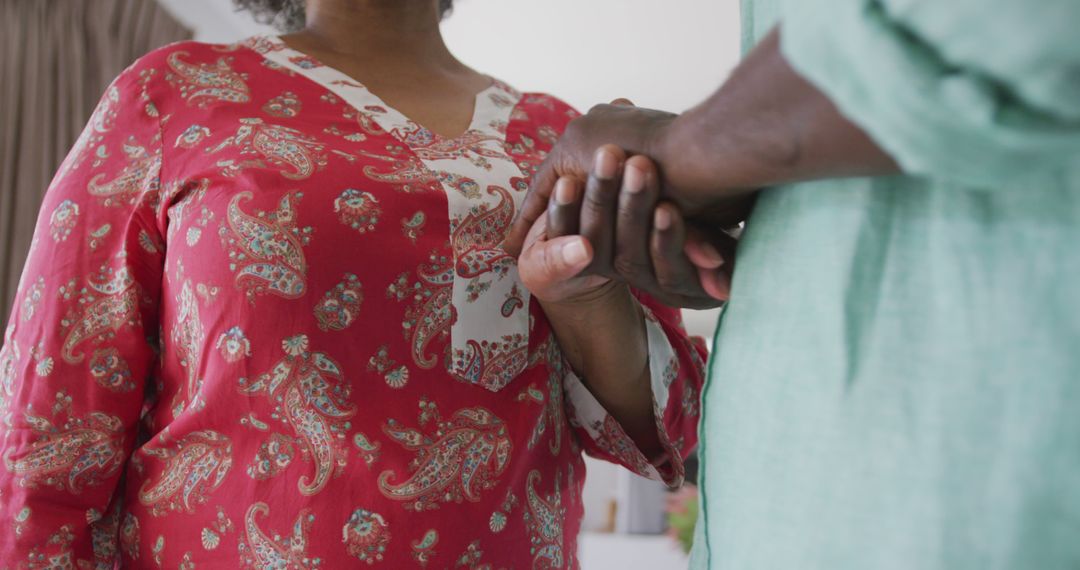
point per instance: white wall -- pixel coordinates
(667, 54)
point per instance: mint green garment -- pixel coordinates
(896, 380)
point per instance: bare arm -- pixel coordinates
(766, 125)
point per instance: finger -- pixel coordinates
(637, 201)
(600, 207)
(564, 209)
(715, 283)
(560, 259)
(623, 102)
(537, 233)
(533, 205)
(711, 249)
(675, 275)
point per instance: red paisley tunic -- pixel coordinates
(266, 324)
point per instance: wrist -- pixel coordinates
(610, 296)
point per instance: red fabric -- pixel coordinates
(232, 347)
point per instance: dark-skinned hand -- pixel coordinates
(636, 131)
(631, 235)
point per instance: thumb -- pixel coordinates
(560, 259)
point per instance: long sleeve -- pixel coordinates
(677, 373)
(79, 346)
(984, 93)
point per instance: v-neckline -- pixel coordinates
(485, 112)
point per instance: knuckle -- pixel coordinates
(630, 267)
(670, 282)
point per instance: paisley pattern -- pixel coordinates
(424, 549)
(81, 452)
(203, 84)
(101, 122)
(195, 467)
(189, 338)
(266, 323)
(260, 551)
(9, 361)
(458, 459)
(138, 178)
(312, 398)
(432, 313)
(544, 518)
(109, 304)
(295, 155)
(266, 251)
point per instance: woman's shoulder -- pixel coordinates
(544, 109)
(192, 57)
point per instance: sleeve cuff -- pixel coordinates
(587, 413)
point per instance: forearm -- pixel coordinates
(605, 341)
(766, 125)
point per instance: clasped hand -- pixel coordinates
(598, 215)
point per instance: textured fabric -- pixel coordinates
(896, 383)
(42, 111)
(345, 369)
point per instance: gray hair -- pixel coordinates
(288, 15)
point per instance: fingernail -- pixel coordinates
(605, 165)
(662, 219)
(564, 192)
(633, 180)
(712, 254)
(574, 253)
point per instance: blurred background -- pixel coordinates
(58, 56)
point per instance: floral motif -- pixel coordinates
(111, 371)
(395, 376)
(129, 536)
(234, 345)
(358, 210)
(32, 299)
(266, 250)
(63, 220)
(366, 535)
(340, 306)
(274, 455)
(457, 460)
(310, 396)
(195, 466)
(285, 105)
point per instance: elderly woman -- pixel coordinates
(266, 321)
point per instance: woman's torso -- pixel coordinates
(349, 369)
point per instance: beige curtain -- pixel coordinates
(56, 59)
